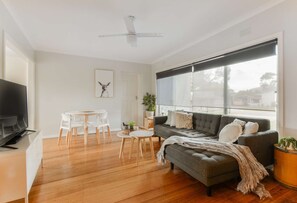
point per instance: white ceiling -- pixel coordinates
(73, 26)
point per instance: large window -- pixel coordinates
(242, 83)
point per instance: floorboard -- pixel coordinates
(94, 173)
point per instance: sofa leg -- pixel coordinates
(171, 165)
(208, 191)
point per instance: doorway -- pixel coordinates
(130, 98)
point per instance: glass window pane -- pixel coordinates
(253, 84)
(182, 90)
(208, 88)
(165, 91)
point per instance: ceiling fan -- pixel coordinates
(132, 35)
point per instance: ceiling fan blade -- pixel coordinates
(149, 35)
(114, 35)
(129, 22)
(132, 40)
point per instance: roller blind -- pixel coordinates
(175, 71)
(247, 54)
(174, 87)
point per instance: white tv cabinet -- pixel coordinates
(18, 167)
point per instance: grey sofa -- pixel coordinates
(214, 168)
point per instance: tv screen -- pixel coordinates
(13, 110)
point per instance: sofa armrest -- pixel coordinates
(261, 145)
(159, 120)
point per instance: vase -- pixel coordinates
(149, 114)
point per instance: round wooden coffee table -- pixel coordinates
(141, 135)
(124, 137)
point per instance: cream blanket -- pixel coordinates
(251, 171)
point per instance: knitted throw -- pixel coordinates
(251, 171)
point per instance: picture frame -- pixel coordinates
(104, 83)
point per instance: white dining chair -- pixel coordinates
(102, 122)
(69, 123)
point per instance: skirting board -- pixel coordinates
(79, 133)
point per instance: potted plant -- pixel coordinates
(149, 100)
(288, 143)
(131, 125)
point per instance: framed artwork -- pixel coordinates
(104, 83)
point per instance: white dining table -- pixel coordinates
(85, 114)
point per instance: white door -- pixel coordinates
(129, 97)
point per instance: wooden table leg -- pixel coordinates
(86, 130)
(131, 149)
(122, 147)
(152, 148)
(138, 147)
(141, 141)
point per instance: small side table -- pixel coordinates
(148, 122)
(142, 135)
(124, 137)
(285, 167)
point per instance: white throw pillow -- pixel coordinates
(173, 121)
(240, 122)
(184, 120)
(251, 128)
(169, 116)
(230, 133)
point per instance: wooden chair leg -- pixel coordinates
(103, 132)
(67, 138)
(109, 135)
(70, 137)
(97, 136)
(60, 136)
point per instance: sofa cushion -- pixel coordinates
(230, 133)
(184, 120)
(166, 131)
(264, 124)
(208, 123)
(207, 164)
(251, 128)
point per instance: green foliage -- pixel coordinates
(149, 100)
(286, 142)
(131, 124)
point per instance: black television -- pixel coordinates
(13, 110)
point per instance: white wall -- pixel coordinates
(66, 82)
(281, 18)
(11, 30)
(16, 68)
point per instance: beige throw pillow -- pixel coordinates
(184, 120)
(230, 133)
(251, 128)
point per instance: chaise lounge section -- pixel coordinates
(213, 168)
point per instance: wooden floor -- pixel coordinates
(95, 174)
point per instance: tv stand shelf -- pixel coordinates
(19, 167)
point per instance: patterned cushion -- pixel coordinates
(184, 120)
